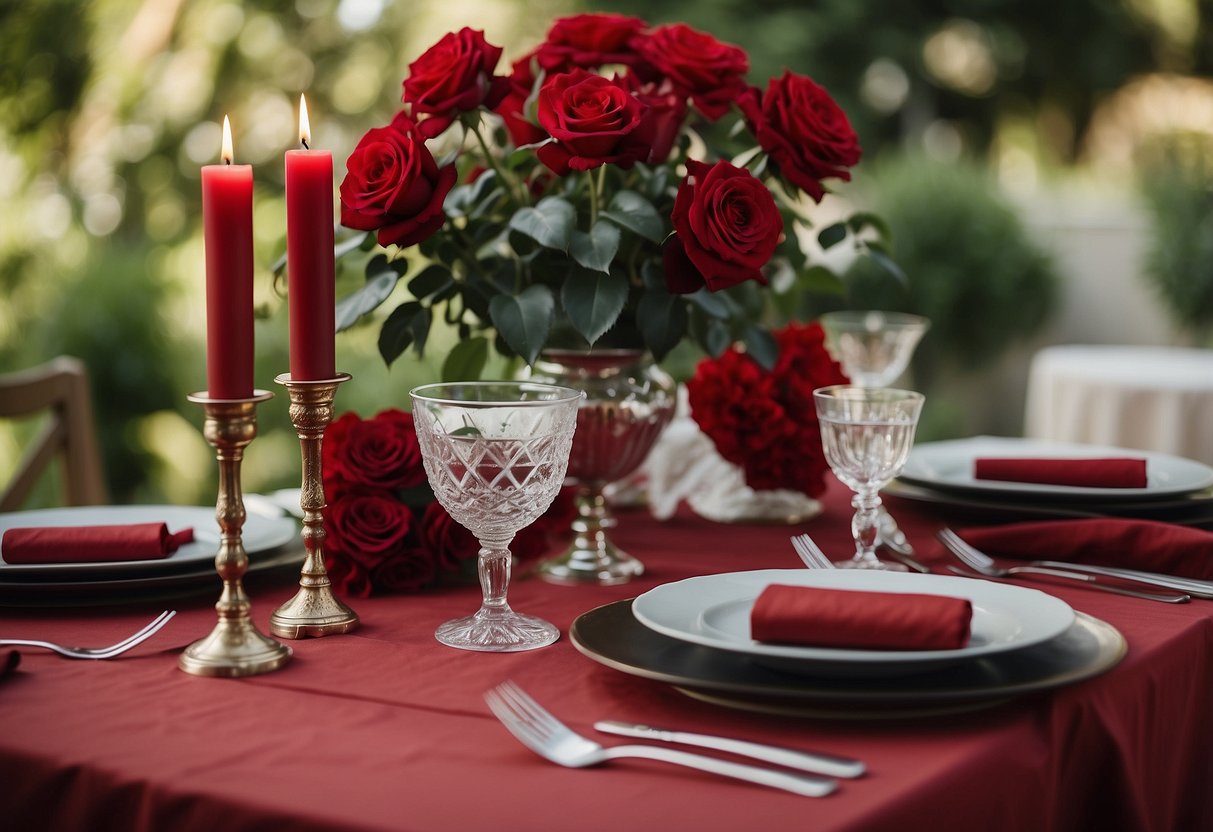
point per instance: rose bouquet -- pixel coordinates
(574, 201)
(764, 420)
(384, 531)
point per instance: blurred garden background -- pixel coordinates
(1044, 166)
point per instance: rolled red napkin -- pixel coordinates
(1107, 541)
(812, 616)
(1101, 472)
(86, 544)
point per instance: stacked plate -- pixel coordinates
(269, 538)
(1177, 490)
(694, 634)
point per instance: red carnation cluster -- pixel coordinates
(764, 421)
(384, 531)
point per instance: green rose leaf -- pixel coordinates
(862, 220)
(408, 324)
(466, 360)
(822, 280)
(832, 235)
(523, 321)
(715, 338)
(593, 301)
(381, 277)
(662, 319)
(881, 258)
(429, 281)
(597, 249)
(550, 223)
(632, 211)
(715, 306)
(761, 346)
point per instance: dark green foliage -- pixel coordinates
(971, 267)
(1178, 188)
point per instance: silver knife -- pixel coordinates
(1193, 586)
(817, 763)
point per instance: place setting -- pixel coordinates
(855, 638)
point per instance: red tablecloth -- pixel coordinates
(386, 729)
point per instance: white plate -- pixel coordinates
(714, 611)
(949, 465)
(263, 530)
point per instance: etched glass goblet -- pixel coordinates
(873, 347)
(495, 454)
(867, 434)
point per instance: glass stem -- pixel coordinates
(493, 565)
(865, 526)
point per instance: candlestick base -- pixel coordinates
(234, 647)
(314, 611)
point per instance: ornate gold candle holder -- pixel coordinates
(235, 647)
(314, 611)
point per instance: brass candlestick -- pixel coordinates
(235, 647)
(314, 611)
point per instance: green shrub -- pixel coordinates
(970, 266)
(1177, 183)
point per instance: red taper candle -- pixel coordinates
(309, 257)
(227, 219)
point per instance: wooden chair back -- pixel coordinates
(58, 388)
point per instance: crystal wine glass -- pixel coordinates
(495, 454)
(873, 347)
(867, 434)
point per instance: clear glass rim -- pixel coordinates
(439, 393)
(853, 392)
(857, 317)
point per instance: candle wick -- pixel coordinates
(227, 161)
(304, 143)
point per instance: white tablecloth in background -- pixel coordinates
(1148, 398)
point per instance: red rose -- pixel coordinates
(453, 76)
(594, 121)
(393, 185)
(726, 228)
(406, 571)
(804, 131)
(347, 577)
(711, 73)
(382, 452)
(367, 528)
(512, 108)
(764, 421)
(449, 543)
(590, 41)
(667, 110)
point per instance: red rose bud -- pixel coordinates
(367, 528)
(726, 228)
(590, 41)
(393, 186)
(449, 543)
(806, 134)
(667, 110)
(454, 76)
(711, 73)
(594, 121)
(513, 108)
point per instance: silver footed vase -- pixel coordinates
(629, 401)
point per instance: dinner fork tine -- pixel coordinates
(536, 728)
(131, 641)
(810, 553)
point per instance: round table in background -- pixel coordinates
(1147, 398)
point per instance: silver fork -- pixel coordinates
(551, 739)
(127, 643)
(810, 552)
(983, 564)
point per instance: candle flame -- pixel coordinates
(305, 127)
(227, 142)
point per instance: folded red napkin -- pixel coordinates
(1106, 541)
(84, 544)
(1104, 472)
(817, 617)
